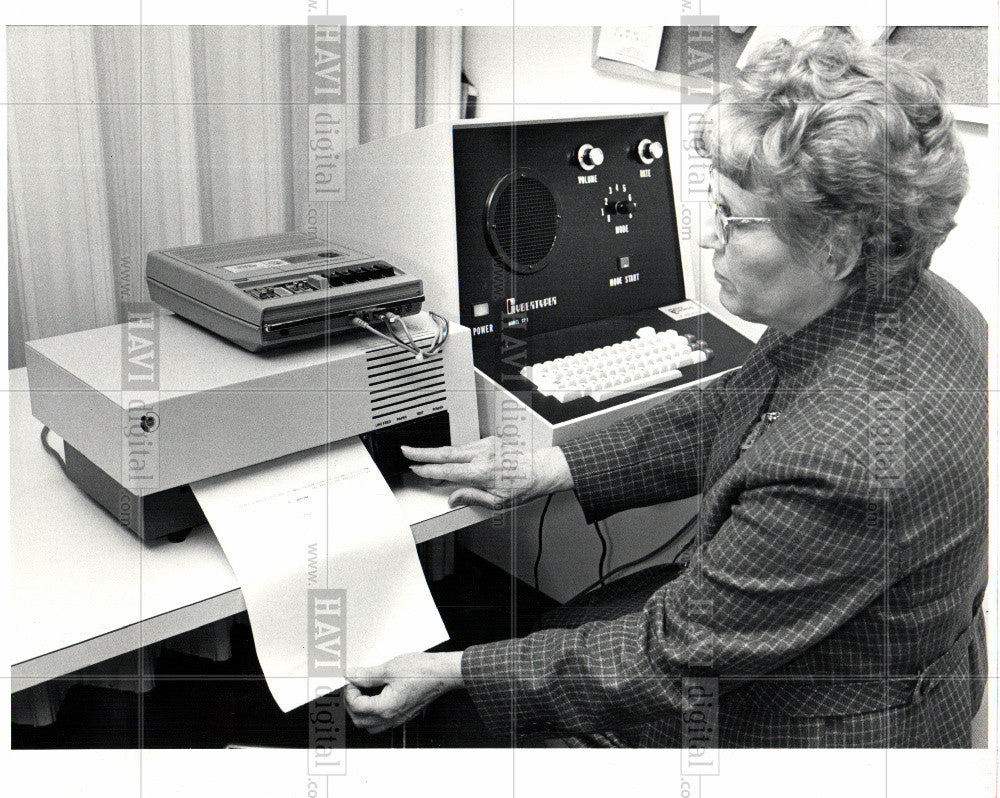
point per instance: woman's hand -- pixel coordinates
(409, 683)
(492, 475)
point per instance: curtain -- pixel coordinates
(124, 139)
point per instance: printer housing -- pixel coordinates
(148, 407)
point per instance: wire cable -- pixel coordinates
(541, 524)
(691, 522)
(391, 319)
(357, 321)
(50, 449)
(683, 549)
(443, 330)
(410, 345)
(639, 561)
(604, 553)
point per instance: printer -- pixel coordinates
(148, 407)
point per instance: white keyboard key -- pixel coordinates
(635, 385)
(645, 333)
(567, 394)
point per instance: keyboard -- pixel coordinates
(648, 359)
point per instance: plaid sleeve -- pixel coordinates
(653, 457)
(800, 555)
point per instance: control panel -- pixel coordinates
(321, 280)
(561, 223)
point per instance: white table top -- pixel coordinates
(85, 589)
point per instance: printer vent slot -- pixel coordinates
(398, 382)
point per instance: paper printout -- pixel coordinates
(320, 519)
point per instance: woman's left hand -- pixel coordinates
(491, 473)
(409, 683)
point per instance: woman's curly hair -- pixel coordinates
(851, 146)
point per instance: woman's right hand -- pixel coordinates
(488, 474)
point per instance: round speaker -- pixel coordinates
(522, 221)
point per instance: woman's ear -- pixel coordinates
(843, 253)
(847, 261)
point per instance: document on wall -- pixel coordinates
(326, 563)
(638, 46)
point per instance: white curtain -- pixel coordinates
(125, 139)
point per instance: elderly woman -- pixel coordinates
(833, 592)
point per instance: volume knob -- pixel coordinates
(589, 156)
(649, 151)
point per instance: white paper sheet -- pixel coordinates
(638, 46)
(321, 519)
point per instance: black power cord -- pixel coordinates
(541, 523)
(600, 534)
(658, 550)
(50, 449)
(604, 553)
(602, 577)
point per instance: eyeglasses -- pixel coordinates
(723, 221)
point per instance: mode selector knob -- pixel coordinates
(649, 151)
(589, 156)
(624, 207)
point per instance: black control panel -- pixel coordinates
(561, 223)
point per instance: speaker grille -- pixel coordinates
(522, 221)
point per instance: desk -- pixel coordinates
(84, 589)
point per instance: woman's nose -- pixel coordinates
(709, 237)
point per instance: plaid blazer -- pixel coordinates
(833, 595)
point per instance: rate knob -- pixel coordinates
(589, 156)
(649, 151)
